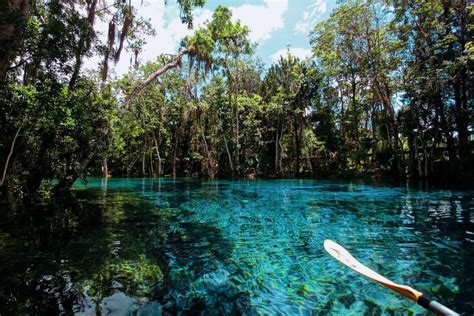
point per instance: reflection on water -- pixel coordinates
(163, 246)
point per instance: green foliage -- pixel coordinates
(218, 39)
(62, 130)
(57, 122)
(386, 90)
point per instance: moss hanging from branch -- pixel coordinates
(108, 50)
(127, 24)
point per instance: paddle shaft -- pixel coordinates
(434, 306)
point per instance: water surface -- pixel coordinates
(164, 246)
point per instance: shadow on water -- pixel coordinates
(111, 252)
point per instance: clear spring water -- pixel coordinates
(165, 246)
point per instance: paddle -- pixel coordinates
(346, 258)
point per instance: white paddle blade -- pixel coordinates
(343, 256)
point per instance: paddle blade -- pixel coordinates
(343, 256)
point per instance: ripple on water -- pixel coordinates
(255, 247)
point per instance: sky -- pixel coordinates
(275, 25)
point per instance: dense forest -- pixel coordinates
(387, 93)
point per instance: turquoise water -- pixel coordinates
(164, 246)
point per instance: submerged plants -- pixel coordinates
(138, 278)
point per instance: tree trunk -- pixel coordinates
(229, 155)
(206, 152)
(355, 116)
(105, 168)
(417, 157)
(175, 151)
(12, 147)
(157, 148)
(152, 168)
(276, 150)
(297, 147)
(281, 150)
(237, 144)
(144, 162)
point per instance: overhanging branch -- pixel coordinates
(176, 61)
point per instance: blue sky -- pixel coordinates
(291, 20)
(274, 24)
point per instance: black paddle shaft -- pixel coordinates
(434, 306)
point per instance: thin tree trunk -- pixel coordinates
(174, 160)
(417, 158)
(276, 150)
(152, 168)
(175, 149)
(157, 148)
(411, 154)
(105, 168)
(208, 155)
(297, 149)
(281, 150)
(237, 145)
(298, 126)
(228, 151)
(12, 147)
(144, 159)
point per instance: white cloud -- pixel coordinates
(311, 16)
(262, 20)
(299, 52)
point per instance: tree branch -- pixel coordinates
(173, 64)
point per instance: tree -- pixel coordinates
(48, 133)
(355, 48)
(219, 36)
